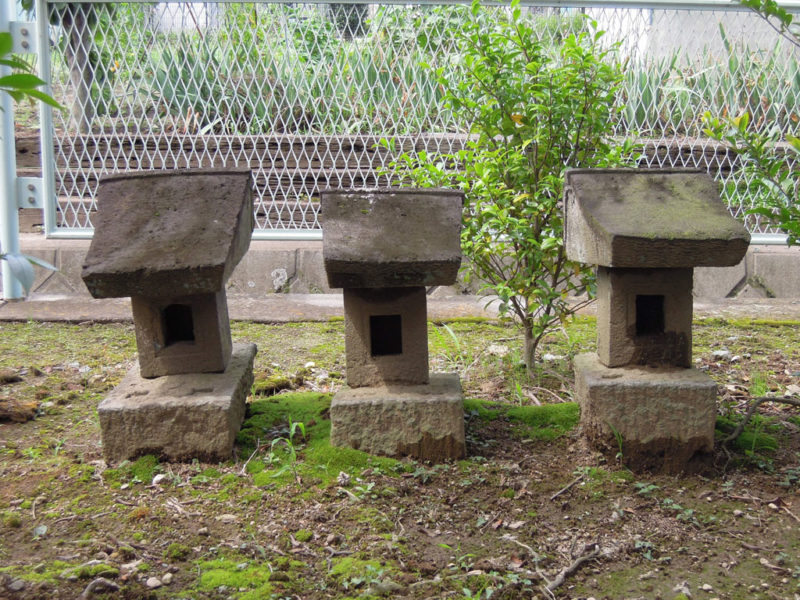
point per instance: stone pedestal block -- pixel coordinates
(386, 336)
(422, 421)
(186, 334)
(664, 417)
(179, 417)
(644, 316)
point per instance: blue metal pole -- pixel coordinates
(9, 215)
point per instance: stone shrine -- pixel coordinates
(170, 241)
(646, 230)
(383, 247)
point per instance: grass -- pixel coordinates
(318, 461)
(268, 535)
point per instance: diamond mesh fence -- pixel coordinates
(302, 93)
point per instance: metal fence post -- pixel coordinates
(46, 119)
(9, 215)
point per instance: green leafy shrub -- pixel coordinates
(535, 111)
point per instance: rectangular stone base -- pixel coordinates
(422, 421)
(178, 417)
(664, 417)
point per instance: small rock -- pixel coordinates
(242, 566)
(792, 390)
(773, 506)
(738, 513)
(720, 354)
(735, 358)
(101, 585)
(166, 579)
(226, 518)
(9, 376)
(343, 478)
(310, 365)
(747, 355)
(153, 583)
(16, 585)
(159, 478)
(203, 531)
(333, 539)
(551, 357)
(498, 350)
(683, 588)
(707, 587)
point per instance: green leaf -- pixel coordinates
(20, 81)
(6, 43)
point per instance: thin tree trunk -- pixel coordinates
(78, 47)
(529, 348)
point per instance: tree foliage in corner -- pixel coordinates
(768, 157)
(534, 111)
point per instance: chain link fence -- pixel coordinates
(302, 93)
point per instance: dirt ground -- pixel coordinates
(533, 512)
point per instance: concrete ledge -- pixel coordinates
(664, 418)
(422, 421)
(765, 272)
(179, 417)
(271, 267)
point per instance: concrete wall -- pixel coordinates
(272, 267)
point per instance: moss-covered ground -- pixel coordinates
(291, 517)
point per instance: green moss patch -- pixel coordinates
(314, 459)
(250, 579)
(546, 422)
(754, 437)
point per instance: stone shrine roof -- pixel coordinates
(391, 237)
(170, 233)
(639, 218)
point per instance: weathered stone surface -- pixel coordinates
(391, 237)
(422, 421)
(199, 341)
(179, 417)
(665, 417)
(624, 337)
(403, 335)
(182, 233)
(640, 218)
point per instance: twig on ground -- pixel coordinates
(514, 540)
(258, 447)
(753, 547)
(754, 404)
(568, 487)
(790, 513)
(349, 493)
(576, 564)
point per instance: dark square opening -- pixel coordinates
(178, 324)
(649, 314)
(385, 335)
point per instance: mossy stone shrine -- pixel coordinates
(646, 230)
(170, 241)
(383, 247)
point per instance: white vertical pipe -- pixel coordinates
(46, 119)
(9, 216)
